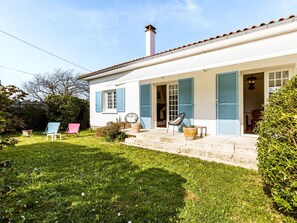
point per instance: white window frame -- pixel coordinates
(111, 101)
(169, 101)
(266, 79)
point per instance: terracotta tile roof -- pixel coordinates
(180, 47)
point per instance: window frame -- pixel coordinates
(266, 79)
(110, 101)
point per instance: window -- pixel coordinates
(110, 102)
(277, 80)
(173, 99)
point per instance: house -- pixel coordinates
(217, 82)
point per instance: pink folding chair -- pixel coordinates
(73, 128)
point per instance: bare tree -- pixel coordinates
(57, 83)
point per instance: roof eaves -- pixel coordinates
(291, 18)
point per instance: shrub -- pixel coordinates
(33, 115)
(111, 132)
(67, 109)
(9, 122)
(277, 147)
(9, 95)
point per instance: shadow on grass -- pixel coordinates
(268, 193)
(68, 183)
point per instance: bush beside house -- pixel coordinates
(111, 132)
(277, 147)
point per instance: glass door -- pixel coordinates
(172, 101)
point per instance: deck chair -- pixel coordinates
(73, 128)
(52, 130)
(256, 117)
(177, 121)
(131, 118)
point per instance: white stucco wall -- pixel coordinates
(131, 101)
(205, 87)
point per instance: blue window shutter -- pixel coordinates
(227, 104)
(186, 98)
(145, 106)
(98, 101)
(121, 99)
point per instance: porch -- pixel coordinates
(237, 151)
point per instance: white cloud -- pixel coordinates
(119, 12)
(283, 8)
(289, 5)
(184, 13)
(107, 25)
(192, 6)
(90, 24)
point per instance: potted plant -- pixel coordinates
(190, 132)
(135, 127)
(27, 132)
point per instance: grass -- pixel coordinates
(84, 179)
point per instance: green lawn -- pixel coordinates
(84, 179)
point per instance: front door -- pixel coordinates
(167, 104)
(227, 104)
(161, 111)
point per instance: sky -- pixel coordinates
(95, 34)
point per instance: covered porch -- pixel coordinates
(238, 151)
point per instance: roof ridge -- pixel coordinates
(185, 46)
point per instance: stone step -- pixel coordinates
(167, 139)
(155, 145)
(230, 153)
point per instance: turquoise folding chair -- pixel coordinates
(52, 130)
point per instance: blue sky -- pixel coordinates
(99, 33)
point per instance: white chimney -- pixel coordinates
(150, 33)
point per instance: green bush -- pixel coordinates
(33, 115)
(277, 147)
(8, 121)
(111, 132)
(67, 109)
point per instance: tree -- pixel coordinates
(67, 109)
(9, 122)
(57, 83)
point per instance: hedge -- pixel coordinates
(277, 147)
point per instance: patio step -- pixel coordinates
(154, 144)
(228, 152)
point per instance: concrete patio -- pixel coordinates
(237, 151)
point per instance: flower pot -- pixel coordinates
(190, 132)
(27, 132)
(135, 127)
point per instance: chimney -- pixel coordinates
(150, 40)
